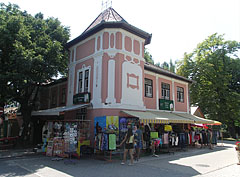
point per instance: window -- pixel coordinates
(165, 91)
(86, 80)
(180, 94)
(63, 95)
(83, 80)
(54, 100)
(80, 82)
(148, 88)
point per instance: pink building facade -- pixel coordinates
(108, 75)
(107, 63)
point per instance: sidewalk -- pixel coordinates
(10, 153)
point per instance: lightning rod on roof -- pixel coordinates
(106, 4)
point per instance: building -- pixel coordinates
(108, 76)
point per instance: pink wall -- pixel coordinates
(118, 40)
(98, 43)
(105, 60)
(143, 86)
(128, 44)
(61, 87)
(136, 47)
(119, 59)
(179, 106)
(112, 40)
(85, 49)
(150, 103)
(87, 63)
(105, 40)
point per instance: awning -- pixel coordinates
(146, 117)
(173, 118)
(158, 117)
(199, 125)
(196, 119)
(57, 111)
(214, 123)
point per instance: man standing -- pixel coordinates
(138, 136)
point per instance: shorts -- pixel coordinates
(129, 146)
(139, 145)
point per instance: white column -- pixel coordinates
(123, 42)
(97, 79)
(187, 97)
(157, 91)
(173, 95)
(71, 76)
(70, 85)
(111, 82)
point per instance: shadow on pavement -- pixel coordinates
(147, 166)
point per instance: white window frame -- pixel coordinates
(165, 92)
(81, 90)
(180, 94)
(149, 88)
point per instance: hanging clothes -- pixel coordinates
(165, 138)
(176, 141)
(182, 139)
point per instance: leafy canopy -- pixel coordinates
(215, 66)
(31, 52)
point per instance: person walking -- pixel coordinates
(138, 136)
(129, 140)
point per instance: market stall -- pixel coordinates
(110, 131)
(65, 138)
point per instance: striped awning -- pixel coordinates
(196, 119)
(146, 117)
(172, 118)
(158, 117)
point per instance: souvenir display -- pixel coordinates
(66, 137)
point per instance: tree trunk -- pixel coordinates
(232, 130)
(26, 114)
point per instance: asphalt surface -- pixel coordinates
(219, 162)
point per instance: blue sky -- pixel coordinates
(177, 26)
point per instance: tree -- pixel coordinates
(215, 67)
(31, 53)
(165, 65)
(171, 66)
(148, 57)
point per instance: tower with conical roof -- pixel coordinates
(107, 61)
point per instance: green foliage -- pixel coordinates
(165, 65)
(148, 57)
(168, 66)
(31, 53)
(215, 67)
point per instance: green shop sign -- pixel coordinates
(81, 98)
(165, 104)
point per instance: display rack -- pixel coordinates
(66, 137)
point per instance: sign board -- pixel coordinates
(81, 98)
(165, 104)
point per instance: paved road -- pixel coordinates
(220, 162)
